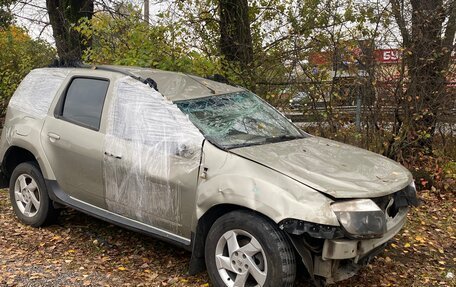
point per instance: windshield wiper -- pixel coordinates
(266, 140)
(282, 138)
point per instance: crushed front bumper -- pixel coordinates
(341, 258)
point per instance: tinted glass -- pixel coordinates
(84, 101)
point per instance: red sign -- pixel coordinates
(388, 55)
(384, 56)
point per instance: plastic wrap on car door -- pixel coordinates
(152, 151)
(36, 92)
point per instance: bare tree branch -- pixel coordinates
(397, 12)
(32, 20)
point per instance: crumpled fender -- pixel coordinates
(232, 179)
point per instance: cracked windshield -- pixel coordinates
(239, 119)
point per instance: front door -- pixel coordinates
(72, 141)
(152, 157)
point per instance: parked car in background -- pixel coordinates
(204, 165)
(299, 100)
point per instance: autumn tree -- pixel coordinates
(63, 16)
(428, 31)
(20, 54)
(5, 14)
(235, 35)
(128, 40)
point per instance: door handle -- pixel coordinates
(53, 136)
(112, 155)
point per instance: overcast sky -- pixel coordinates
(32, 15)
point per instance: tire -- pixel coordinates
(29, 196)
(262, 257)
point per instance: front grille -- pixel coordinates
(402, 198)
(383, 201)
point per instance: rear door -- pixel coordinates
(72, 140)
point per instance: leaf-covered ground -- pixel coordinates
(83, 251)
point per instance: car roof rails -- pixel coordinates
(219, 78)
(57, 63)
(148, 81)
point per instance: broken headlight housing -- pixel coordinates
(299, 227)
(360, 218)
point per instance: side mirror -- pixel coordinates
(184, 151)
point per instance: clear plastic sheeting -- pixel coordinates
(152, 155)
(238, 119)
(37, 91)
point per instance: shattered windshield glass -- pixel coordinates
(238, 119)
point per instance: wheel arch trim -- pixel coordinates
(25, 147)
(204, 224)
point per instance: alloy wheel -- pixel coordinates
(240, 259)
(27, 196)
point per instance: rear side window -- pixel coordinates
(84, 100)
(37, 91)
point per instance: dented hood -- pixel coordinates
(339, 170)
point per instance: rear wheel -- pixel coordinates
(29, 197)
(244, 249)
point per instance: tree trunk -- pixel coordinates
(427, 57)
(63, 14)
(6, 16)
(146, 11)
(235, 35)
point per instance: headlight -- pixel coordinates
(360, 218)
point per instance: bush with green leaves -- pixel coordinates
(20, 54)
(127, 40)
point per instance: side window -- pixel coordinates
(37, 91)
(84, 101)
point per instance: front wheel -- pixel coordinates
(245, 249)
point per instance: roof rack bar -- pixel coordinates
(123, 72)
(148, 81)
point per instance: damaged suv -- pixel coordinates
(207, 166)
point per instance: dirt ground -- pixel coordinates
(83, 251)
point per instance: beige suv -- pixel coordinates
(207, 166)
